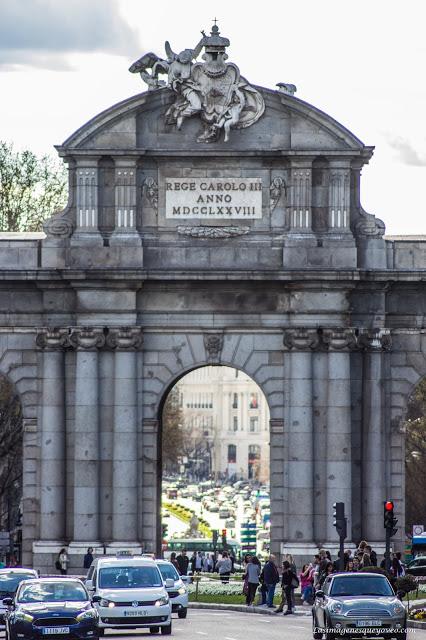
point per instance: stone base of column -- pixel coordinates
(302, 552)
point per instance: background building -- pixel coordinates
(226, 420)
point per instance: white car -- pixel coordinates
(10, 580)
(132, 594)
(178, 593)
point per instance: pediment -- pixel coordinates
(288, 125)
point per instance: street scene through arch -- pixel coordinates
(215, 491)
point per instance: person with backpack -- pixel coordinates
(271, 578)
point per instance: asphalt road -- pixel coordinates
(227, 625)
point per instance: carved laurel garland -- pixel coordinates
(212, 232)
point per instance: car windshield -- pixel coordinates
(129, 577)
(9, 582)
(52, 592)
(361, 586)
(168, 572)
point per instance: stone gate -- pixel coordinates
(210, 221)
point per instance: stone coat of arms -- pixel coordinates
(213, 89)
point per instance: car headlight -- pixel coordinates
(182, 590)
(90, 614)
(21, 616)
(336, 607)
(397, 609)
(106, 603)
(161, 601)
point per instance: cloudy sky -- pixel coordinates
(361, 61)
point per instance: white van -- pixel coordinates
(132, 594)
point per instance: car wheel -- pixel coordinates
(166, 631)
(182, 613)
(154, 629)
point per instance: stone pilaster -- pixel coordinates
(87, 341)
(52, 444)
(339, 196)
(320, 376)
(373, 456)
(301, 196)
(86, 227)
(300, 343)
(339, 428)
(125, 341)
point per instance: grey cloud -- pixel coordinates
(407, 153)
(42, 32)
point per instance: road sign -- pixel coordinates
(418, 529)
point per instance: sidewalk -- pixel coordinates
(299, 611)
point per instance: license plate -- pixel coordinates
(136, 612)
(369, 623)
(51, 631)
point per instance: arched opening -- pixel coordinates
(415, 462)
(11, 434)
(215, 460)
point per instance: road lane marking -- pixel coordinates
(229, 638)
(202, 633)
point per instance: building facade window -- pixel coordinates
(232, 453)
(254, 401)
(235, 401)
(253, 461)
(235, 423)
(254, 424)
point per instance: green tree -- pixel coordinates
(415, 458)
(172, 437)
(31, 189)
(10, 454)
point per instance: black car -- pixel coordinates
(417, 567)
(55, 607)
(9, 582)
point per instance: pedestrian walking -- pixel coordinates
(174, 561)
(327, 572)
(289, 582)
(263, 589)
(224, 567)
(62, 562)
(253, 573)
(88, 558)
(183, 563)
(306, 585)
(271, 578)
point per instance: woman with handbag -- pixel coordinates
(289, 582)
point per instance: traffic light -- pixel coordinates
(389, 520)
(165, 529)
(339, 519)
(215, 535)
(224, 538)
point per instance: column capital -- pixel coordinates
(52, 338)
(125, 338)
(87, 338)
(340, 339)
(375, 340)
(301, 339)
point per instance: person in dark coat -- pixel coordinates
(271, 579)
(288, 584)
(183, 562)
(88, 558)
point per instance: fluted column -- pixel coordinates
(52, 446)
(301, 195)
(373, 455)
(339, 425)
(87, 210)
(300, 343)
(126, 341)
(87, 341)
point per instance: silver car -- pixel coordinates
(353, 605)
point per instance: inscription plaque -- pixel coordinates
(214, 198)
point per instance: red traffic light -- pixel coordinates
(224, 532)
(389, 505)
